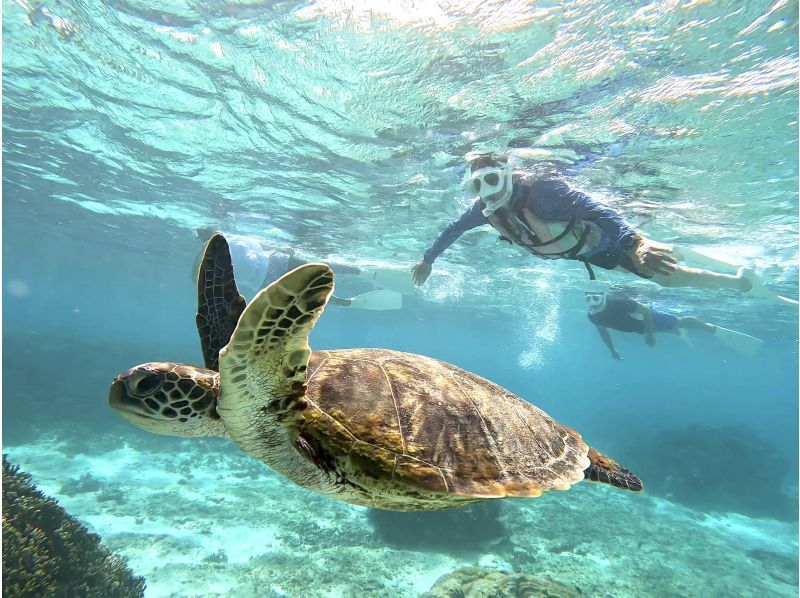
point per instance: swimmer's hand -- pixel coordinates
(420, 272)
(651, 257)
(650, 339)
(616, 356)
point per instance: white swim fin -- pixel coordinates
(392, 279)
(757, 288)
(380, 300)
(696, 257)
(739, 341)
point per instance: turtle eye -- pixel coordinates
(146, 384)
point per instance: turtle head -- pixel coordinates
(169, 398)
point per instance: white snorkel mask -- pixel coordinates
(596, 301)
(494, 186)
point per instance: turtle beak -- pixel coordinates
(118, 397)
(117, 393)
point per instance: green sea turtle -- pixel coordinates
(371, 427)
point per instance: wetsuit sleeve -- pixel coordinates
(558, 202)
(470, 219)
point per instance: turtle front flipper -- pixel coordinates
(219, 303)
(608, 471)
(263, 367)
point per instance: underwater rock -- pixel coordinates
(480, 582)
(47, 552)
(86, 483)
(717, 469)
(452, 530)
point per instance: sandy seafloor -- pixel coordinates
(198, 517)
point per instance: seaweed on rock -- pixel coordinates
(47, 552)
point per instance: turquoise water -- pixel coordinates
(340, 129)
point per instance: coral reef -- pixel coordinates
(481, 582)
(453, 531)
(46, 552)
(717, 469)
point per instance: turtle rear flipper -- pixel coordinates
(263, 367)
(608, 471)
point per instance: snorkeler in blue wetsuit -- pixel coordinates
(552, 221)
(628, 315)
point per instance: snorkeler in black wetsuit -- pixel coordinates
(627, 315)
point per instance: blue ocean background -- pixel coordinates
(340, 129)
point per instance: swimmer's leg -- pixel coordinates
(683, 276)
(699, 258)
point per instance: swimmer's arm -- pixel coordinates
(604, 334)
(470, 219)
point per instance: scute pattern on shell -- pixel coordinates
(416, 421)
